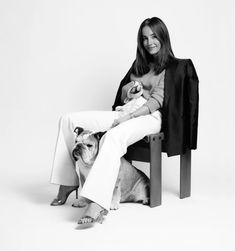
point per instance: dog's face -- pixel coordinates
(86, 145)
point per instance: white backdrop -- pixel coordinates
(58, 57)
(62, 56)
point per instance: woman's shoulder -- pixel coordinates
(179, 63)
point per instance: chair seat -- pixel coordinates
(139, 151)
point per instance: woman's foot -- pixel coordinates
(81, 202)
(94, 213)
(64, 192)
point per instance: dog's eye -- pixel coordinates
(89, 145)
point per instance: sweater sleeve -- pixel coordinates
(156, 97)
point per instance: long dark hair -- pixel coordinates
(143, 58)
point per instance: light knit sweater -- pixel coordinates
(153, 89)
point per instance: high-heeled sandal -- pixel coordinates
(61, 200)
(89, 214)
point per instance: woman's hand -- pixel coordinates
(120, 120)
(135, 89)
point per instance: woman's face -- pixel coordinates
(150, 41)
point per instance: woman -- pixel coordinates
(153, 58)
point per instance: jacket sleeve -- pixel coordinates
(193, 102)
(124, 81)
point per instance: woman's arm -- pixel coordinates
(157, 95)
(154, 103)
(143, 110)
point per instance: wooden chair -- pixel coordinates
(150, 150)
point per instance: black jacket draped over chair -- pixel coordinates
(180, 106)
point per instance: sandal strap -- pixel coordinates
(93, 207)
(98, 215)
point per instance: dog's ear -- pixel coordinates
(98, 135)
(78, 130)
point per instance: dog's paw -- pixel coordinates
(80, 203)
(146, 201)
(114, 206)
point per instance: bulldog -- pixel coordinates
(132, 185)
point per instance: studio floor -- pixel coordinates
(205, 221)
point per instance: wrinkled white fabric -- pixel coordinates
(113, 145)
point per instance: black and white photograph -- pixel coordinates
(117, 126)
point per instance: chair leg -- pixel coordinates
(155, 171)
(185, 174)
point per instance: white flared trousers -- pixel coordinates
(101, 180)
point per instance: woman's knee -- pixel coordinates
(66, 118)
(66, 124)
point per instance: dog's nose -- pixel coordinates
(78, 145)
